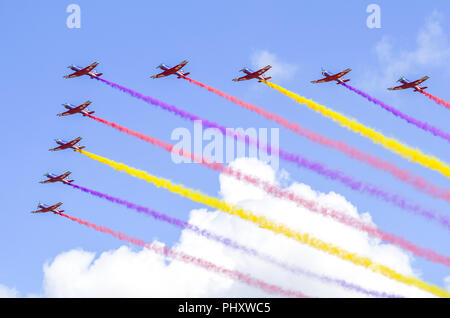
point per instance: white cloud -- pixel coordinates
(432, 50)
(126, 273)
(280, 70)
(6, 292)
(140, 273)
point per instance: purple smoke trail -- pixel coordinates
(435, 131)
(230, 243)
(297, 159)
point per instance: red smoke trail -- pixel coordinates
(180, 256)
(288, 195)
(354, 153)
(436, 99)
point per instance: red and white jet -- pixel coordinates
(172, 70)
(72, 109)
(49, 208)
(251, 74)
(80, 71)
(67, 144)
(408, 84)
(55, 178)
(333, 77)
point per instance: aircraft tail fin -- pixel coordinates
(87, 113)
(186, 74)
(99, 74)
(265, 79)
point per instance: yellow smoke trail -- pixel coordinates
(391, 144)
(269, 224)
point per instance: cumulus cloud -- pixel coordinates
(131, 272)
(126, 273)
(6, 292)
(432, 49)
(280, 70)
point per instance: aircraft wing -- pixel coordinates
(57, 148)
(342, 73)
(397, 88)
(243, 78)
(178, 67)
(420, 81)
(262, 71)
(39, 211)
(69, 112)
(76, 74)
(323, 80)
(89, 68)
(65, 175)
(73, 142)
(165, 73)
(55, 206)
(84, 105)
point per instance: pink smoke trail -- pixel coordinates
(436, 99)
(401, 174)
(230, 243)
(317, 167)
(288, 195)
(411, 120)
(186, 258)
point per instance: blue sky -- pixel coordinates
(218, 38)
